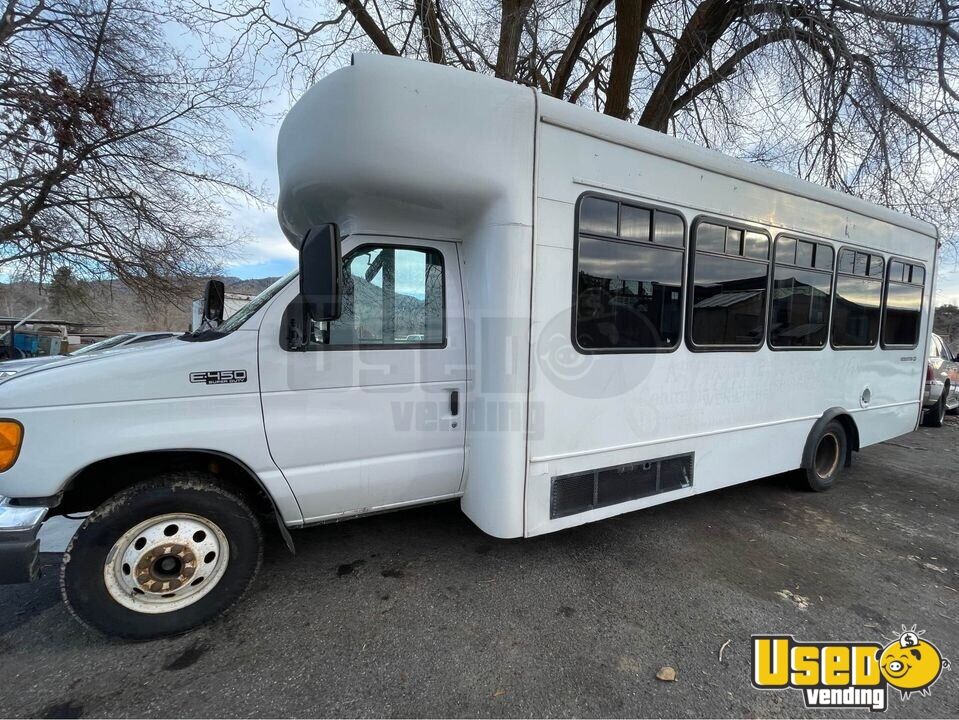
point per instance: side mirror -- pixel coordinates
(321, 269)
(213, 297)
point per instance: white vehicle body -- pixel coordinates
(487, 176)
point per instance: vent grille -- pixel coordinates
(571, 494)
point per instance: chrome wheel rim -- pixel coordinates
(166, 563)
(827, 455)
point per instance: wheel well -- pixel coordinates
(852, 435)
(95, 483)
(848, 424)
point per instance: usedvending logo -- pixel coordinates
(847, 674)
(218, 377)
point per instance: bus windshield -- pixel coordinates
(247, 311)
(102, 344)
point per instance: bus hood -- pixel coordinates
(24, 364)
(226, 365)
(41, 363)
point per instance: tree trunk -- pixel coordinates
(574, 50)
(373, 31)
(510, 31)
(708, 23)
(431, 30)
(631, 17)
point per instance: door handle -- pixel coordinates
(454, 402)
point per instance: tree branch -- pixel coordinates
(369, 26)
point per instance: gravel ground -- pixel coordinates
(420, 614)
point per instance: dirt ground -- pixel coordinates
(420, 614)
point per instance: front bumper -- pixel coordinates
(19, 545)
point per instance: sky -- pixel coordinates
(269, 253)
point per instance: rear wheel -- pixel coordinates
(935, 415)
(161, 558)
(828, 457)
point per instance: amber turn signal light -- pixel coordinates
(11, 437)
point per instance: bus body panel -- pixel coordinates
(742, 414)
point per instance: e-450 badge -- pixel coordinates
(218, 377)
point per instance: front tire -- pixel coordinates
(161, 558)
(828, 458)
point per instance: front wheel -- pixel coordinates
(161, 558)
(827, 458)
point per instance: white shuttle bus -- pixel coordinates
(550, 315)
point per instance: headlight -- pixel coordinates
(11, 438)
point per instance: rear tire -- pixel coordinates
(828, 458)
(161, 558)
(935, 415)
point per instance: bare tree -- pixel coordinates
(859, 95)
(113, 159)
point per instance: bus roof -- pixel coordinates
(390, 141)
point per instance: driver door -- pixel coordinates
(372, 414)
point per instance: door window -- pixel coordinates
(392, 296)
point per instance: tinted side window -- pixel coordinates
(729, 273)
(391, 296)
(802, 289)
(902, 313)
(856, 310)
(629, 272)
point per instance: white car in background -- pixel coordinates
(123, 340)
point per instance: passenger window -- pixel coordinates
(598, 216)
(629, 274)
(757, 246)
(902, 313)
(670, 229)
(392, 296)
(710, 237)
(802, 288)
(729, 274)
(856, 311)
